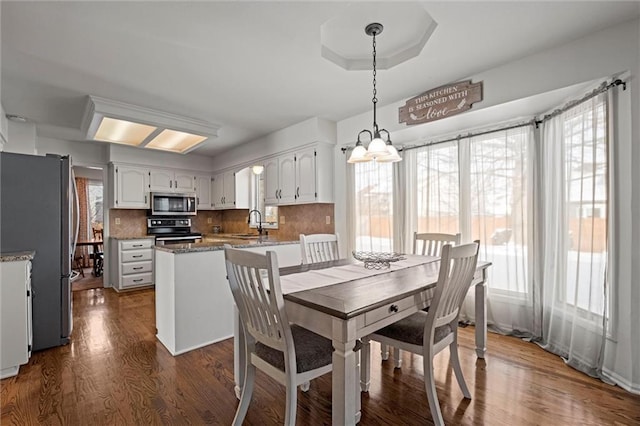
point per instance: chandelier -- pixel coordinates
(379, 149)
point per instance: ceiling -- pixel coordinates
(254, 67)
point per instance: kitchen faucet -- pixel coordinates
(259, 220)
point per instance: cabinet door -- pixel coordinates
(183, 182)
(287, 179)
(271, 184)
(217, 191)
(306, 176)
(203, 192)
(161, 180)
(229, 190)
(132, 188)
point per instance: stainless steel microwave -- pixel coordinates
(168, 204)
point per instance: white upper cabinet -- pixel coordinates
(230, 190)
(165, 180)
(203, 192)
(130, 187)
(304, 176)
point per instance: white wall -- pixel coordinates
(21, 138)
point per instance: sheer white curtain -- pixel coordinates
(432, 182)
(499, 214)
(574, 174)
(371, 209)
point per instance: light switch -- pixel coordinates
(328, 220)
(117, 221)
(209, 220)
(282, 220)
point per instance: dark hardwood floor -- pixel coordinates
(116, 372)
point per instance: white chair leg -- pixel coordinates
(247, 391)
(305, 386)
(365, 365)
(384, 351)
(455, 361)
(396, 358)
(292, 402)
(430, 387)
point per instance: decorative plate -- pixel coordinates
(377, 260)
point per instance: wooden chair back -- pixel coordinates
(97, 233)
(319, 248)
(457, 267)
(255, 284)
(430, 244)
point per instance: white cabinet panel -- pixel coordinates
(304, 176)
(131, 187)
(230, 190)
(165, 180)
(132, 263)
(203, 192)
(15, 316)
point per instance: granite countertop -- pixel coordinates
(140, 237)
(16, 256)
(217, 241)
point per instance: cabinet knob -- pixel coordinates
(393, 308)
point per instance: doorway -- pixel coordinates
(88, 258)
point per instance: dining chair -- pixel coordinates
(428, 333)
(290, 354)
(98, 255)
(425, 244)
(319, 248)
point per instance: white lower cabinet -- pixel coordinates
(132, 263)
(15, 303)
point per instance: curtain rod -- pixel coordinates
(603, 88)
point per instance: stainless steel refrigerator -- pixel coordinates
(37, 194)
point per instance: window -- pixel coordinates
(585, 147)
(498, 206)
(374, 206)
(95, 204)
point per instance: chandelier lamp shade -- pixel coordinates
(379, 149)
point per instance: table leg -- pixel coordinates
(344, 384)
(481, 318)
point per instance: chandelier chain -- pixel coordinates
(375, 99)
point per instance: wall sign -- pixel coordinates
(442, 102)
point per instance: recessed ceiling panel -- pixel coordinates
(122, 131)
(407, 28)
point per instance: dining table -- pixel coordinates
(344, 301)
(96, 247)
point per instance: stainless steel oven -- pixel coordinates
(172, 230)
(168, 204)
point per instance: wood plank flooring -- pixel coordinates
(115, 372)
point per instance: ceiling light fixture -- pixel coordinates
(378, 149)
(116, 122)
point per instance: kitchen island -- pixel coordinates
(194, 305)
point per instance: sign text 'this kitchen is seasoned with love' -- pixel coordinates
(442, 102)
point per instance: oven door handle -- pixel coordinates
(191, 237)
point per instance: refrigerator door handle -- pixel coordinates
(76, 215)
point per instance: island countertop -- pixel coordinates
(217, 242)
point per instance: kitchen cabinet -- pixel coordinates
(16, 335)
(231, 189)
(303, 176)
(165, 180)
(203, 192)
(132, 263)
(130, 187)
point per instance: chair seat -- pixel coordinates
(411, 330)
(312, 351)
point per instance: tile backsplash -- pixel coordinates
(302, 219)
